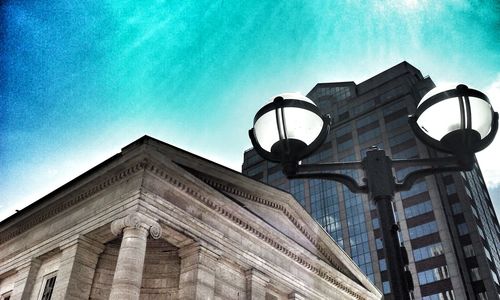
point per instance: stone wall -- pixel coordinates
(103, 276)
(160, 279)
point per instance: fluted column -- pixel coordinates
(127, 279)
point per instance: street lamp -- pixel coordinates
(458, 120)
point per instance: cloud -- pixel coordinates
(488, 158)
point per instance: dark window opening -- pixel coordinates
(49, 287)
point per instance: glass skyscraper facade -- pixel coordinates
(448, 224)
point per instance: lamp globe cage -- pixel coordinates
(288, 128)
(455, 119)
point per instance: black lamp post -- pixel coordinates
(459, 121)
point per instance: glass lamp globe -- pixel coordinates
(288, 128)
(455, 119)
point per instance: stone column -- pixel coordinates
(127, 279)
(256, 285)
(197, 278)
(25, 278)
(76, 269)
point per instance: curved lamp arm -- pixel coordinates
(410, 179)
(349, 182)
(324, 171)
(438, 165)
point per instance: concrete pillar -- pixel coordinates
(76, 269)
(127, 279)
(25, 279)
(256, 285)
(197, 278)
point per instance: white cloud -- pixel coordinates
(489, 159)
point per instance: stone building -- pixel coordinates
(156, 222)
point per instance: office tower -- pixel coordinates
(448, 224)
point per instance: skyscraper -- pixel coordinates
(448, 224)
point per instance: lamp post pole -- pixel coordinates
(381, 187)
(398, 279)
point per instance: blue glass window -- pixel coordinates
(433, 275)
(297, 190)
(406, 153)
(345, 146)
(456, 208)
(446, 295)
(361, 122)
(397, 123)
(428, 251)
(369, 135)
(418, 209)
(416, 189)
(397, 106)
(382, 264)
(386, 287)
(451, 189)
(463, 229)
(423, 229)
(325, 206)
(401, 138)
(342, 130)
(275, 176)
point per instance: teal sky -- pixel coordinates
(81, 79)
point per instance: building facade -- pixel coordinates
(156, 222)
(448, 224)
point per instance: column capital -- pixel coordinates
(136, 220)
